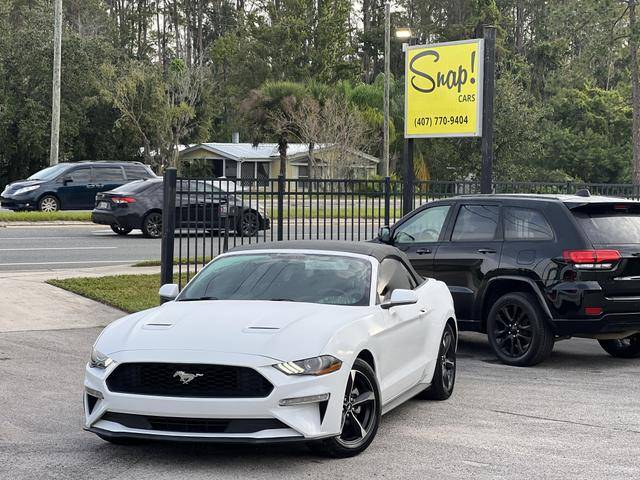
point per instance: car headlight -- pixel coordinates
(22, 190)
(99, 359)
(310, 366)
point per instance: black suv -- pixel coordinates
(532, 269)
(70, 186)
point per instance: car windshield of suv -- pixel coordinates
(286, 277)
(609, 226)
(49, 172)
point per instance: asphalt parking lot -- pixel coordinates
(576, 416)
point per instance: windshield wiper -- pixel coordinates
(196, 299)
(281, 300)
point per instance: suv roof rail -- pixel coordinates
(583, 192)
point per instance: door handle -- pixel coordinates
(486, 250)
(422, 251)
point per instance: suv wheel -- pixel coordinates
(361, 412)
(120, 230)
(518, 331)
(444, 377)
(623, 348)
(152, 225)
(49, 203)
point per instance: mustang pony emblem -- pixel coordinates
(186, 377)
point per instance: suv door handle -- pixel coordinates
(486, 250)
(422, 251)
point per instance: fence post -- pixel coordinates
(168, 226)
(387, 200)
(408, 178)
(281, 187)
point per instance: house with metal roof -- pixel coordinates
(244, 160)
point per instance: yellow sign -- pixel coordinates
(443, 90)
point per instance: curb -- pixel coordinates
(44, 223)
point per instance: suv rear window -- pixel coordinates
(610, 225)
(136, 172)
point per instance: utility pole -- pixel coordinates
(486, 174)
(55, 100)
(387, 72)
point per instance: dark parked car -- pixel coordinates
(532, 269)
(200, 205)
(70, 186)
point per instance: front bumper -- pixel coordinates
(24, 203)
(296, 423)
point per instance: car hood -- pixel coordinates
(279, 330)
(12, 187)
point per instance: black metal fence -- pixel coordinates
(205, 216)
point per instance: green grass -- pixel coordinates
(184, 261)
(130, 293)
(45, 216)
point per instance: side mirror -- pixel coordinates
(66, 180)
(168, 292)
(400, 297)
(384, 235)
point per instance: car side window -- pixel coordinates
(136, 172)
(526, 224)
(392, 274)
(476, 222)
(425, 226)
(80, 175)
(108, 174)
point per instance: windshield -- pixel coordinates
(49, 172)
(287, 277)
(136, 186)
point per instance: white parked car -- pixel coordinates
(308, 341)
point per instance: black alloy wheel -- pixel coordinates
(248, 224)
(444, 376)
(518, 332)
(120, 230)
(152, 225)
(360, 418)
(628, 347)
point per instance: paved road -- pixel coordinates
(577, 416)
(78, 246)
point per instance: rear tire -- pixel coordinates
(49, 203)
(360, 415)
(152, 225)
(120, 230)
(444, 376)
(518, 332)
(628, 347)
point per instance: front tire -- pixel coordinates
(361, 413)
(444, 376)
(120, 230)
(49, 203)
(152, 225)
(628, 347)
(248, 224)
(518, 332)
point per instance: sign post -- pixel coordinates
(448, 94)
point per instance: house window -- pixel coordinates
(247, 170)
(231, 169)
(303, 171)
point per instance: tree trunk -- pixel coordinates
(635, 89)
(520, 26)
(282, 150)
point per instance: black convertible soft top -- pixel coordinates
(380, 251)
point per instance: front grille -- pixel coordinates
(193, 425)
(210, 381)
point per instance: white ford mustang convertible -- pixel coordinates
(291, 341)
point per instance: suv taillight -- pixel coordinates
(121, 200)
(592, 259)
